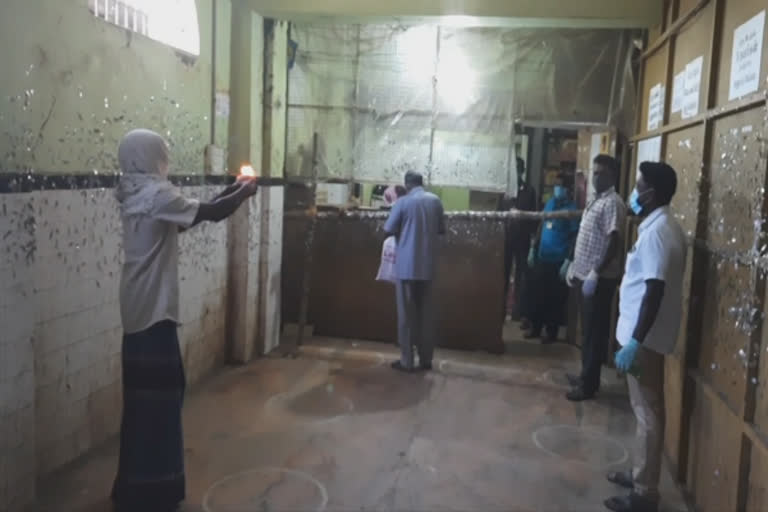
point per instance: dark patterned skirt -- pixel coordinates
(150, 475)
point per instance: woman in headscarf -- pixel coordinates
(150, 474)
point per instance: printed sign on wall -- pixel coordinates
(222, 105)
(677, 92)
(648, 150)
(692, 87)
(747, 57)
(655, 107)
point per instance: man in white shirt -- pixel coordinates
(650, 308)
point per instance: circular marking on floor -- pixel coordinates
(579, 444)
(267, 488)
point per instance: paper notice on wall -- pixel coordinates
(746, 57)
(648, 150)
(334, 194)
(655, 107)
(677, 92)
(692, 87)
(222, 105)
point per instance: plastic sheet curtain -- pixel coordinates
(441, 100)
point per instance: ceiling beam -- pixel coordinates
(539, 13)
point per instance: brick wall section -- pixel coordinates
(60, 383)
(77, 326)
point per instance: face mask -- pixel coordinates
(559, 192)
(634, 201)
(598, 183)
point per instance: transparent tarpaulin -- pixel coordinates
(443, 100)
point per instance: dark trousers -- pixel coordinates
(595, 331)
(549, 295)
(150, 474)
(517, 257)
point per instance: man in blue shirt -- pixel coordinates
(416, 221)
(549, 293)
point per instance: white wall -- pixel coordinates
(62, 351)
(60, 250)
(95, 82)
(17, 365)
(72, 86)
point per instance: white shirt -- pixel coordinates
(149, 286)
(659, 253)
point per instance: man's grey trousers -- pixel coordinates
(415, 321)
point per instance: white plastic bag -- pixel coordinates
(388, 255)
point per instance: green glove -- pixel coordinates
(532, 257)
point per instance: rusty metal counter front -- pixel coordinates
(347, 302)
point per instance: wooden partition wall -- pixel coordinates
(704, 112)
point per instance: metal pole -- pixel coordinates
(619, 52)
(511, 153)
(214, 48)
(355, 100)
(433, 123)
(452, 215)
(308, 248)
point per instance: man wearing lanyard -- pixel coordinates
(554, 243)
(650, 308)
(596, 269)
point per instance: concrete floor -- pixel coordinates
(335, 429)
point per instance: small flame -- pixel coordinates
(247, 170)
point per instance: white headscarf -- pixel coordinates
(142, 154)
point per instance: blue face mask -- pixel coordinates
(560, 192)
(634, 202)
